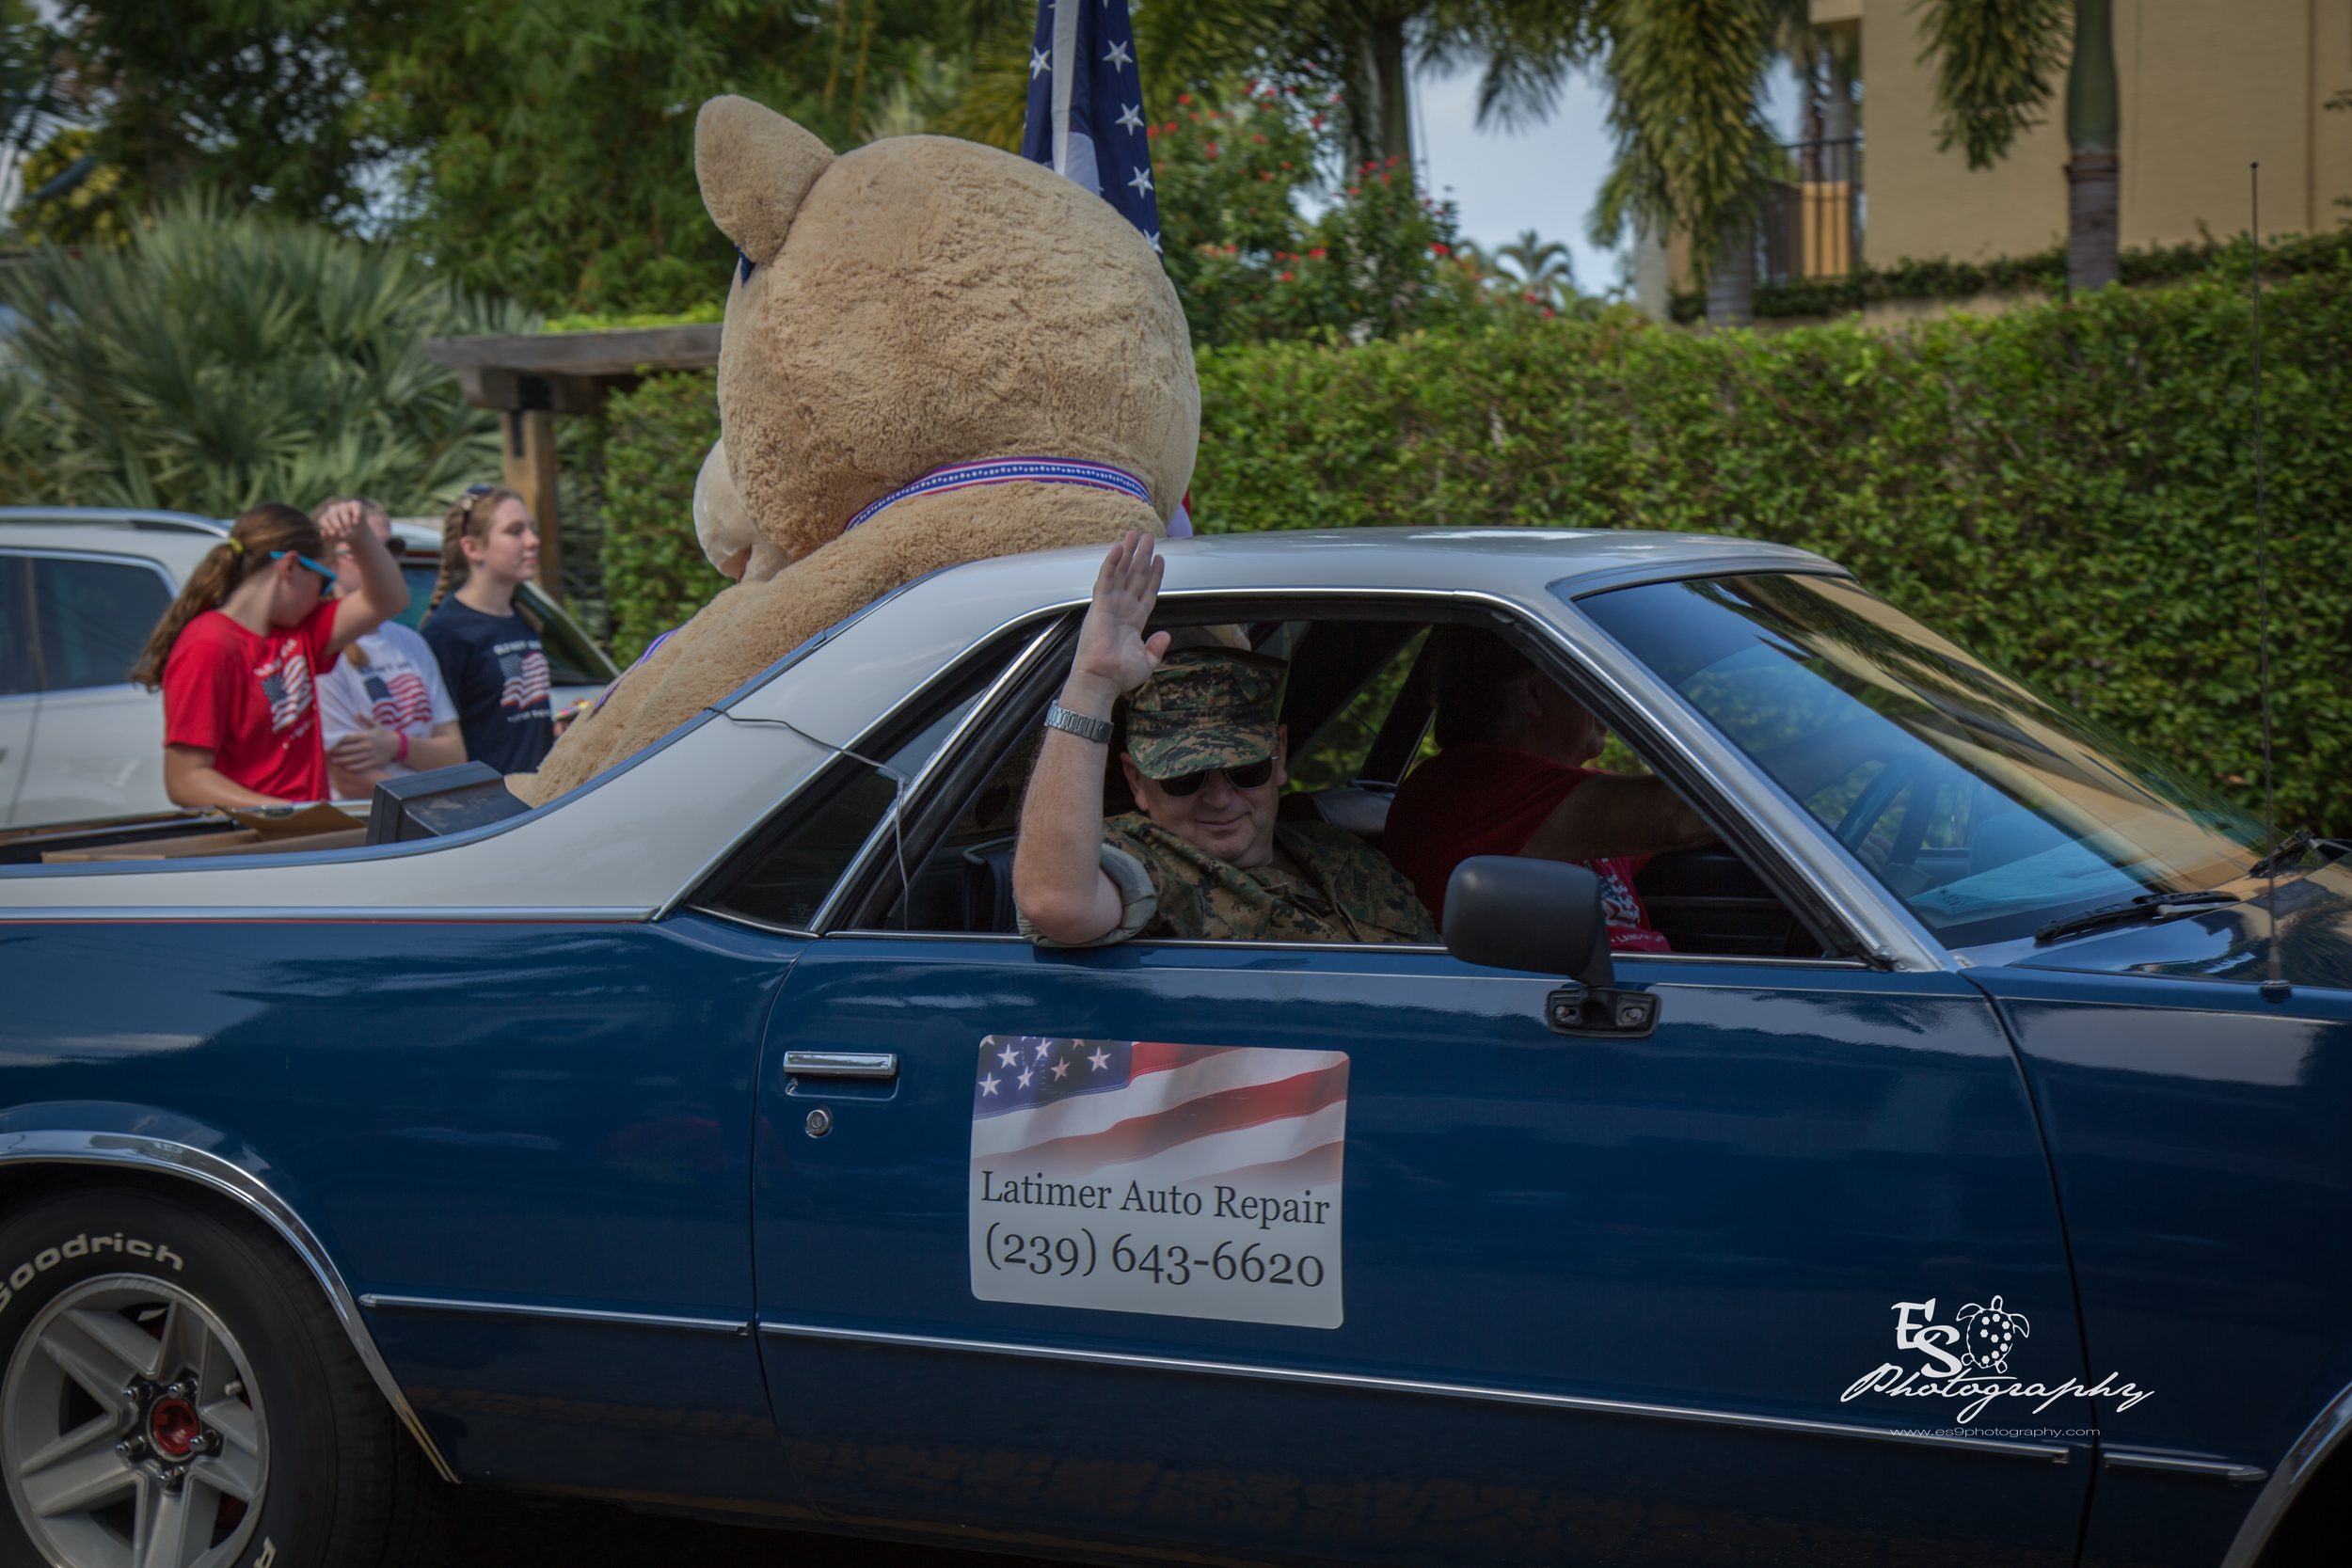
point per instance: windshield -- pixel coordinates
(1987, 809)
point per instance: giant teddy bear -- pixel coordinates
(914, 306)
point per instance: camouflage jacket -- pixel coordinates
(1349, 891)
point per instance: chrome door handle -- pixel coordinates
(840, 1064)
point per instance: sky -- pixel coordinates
(1545, 179)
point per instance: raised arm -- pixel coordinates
(383, 590)
(1058, 877)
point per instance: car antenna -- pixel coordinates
(2274, 988)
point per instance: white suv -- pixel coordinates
(80, 589)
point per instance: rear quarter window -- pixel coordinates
(94, 617)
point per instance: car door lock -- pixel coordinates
(1601, 1012)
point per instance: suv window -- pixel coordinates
(16, 629)
(94, 618)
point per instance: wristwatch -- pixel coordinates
(1060, 717)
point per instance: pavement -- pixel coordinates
(496, 1529)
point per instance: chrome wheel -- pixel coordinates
(130, 1431)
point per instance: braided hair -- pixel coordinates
(470, 517)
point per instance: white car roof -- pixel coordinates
(176, 541)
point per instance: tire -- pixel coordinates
(175, 1392)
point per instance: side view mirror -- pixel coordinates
(1507, 913)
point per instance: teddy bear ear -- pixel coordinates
(754, 166)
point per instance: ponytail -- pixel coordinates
(470, 517)
(269, 529)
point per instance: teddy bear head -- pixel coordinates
(917, 302)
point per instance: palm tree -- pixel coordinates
(1994, 60)
(1685, 80)
(227, 357)
(1544, 267)
(1366, 49)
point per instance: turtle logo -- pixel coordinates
(1988, 1332)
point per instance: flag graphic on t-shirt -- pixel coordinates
(525, 677)
(400, 700)
(286, 686)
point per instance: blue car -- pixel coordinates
(1968, 1185)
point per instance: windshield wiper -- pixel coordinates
(2148, 905)
(2291, 848)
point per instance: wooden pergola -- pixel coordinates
(531, 379)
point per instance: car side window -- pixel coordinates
(16, 630)
(94, 618)
(1358, 700)
(784, 872)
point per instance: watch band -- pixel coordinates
(1060, 717)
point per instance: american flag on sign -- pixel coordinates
(1105, 1109)
(1139, 1176)
(525, 679)
(401, 700)
(286, 687)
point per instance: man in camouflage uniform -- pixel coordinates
(1204, 856)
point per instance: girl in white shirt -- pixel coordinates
(383, 707)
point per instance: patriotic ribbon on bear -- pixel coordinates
(1009, 470)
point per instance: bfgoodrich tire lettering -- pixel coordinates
(175, 1393)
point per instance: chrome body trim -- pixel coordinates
(1891, 934)
(841, 1063)
(513, 915)
(64, 1148)
(374, 1303)
(2042, 1453)
(2304, 1458)
(2179, 1464)
(1746, 960)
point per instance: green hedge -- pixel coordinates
(2066, 489)
(2044, 270)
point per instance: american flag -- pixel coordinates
(525, 677)
(1086, 106)
(286, 686)
(1244, 1116)
(401, 700)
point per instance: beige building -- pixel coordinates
(2208, 87)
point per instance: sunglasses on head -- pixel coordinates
(1250, 775)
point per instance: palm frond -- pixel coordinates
(227, 359)
(1694, 149)
(1995, 63)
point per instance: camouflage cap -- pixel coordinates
(1205, 708)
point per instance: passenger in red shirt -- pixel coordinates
(238, 653)
(1511, 780)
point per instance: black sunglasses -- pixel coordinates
(1250, 775)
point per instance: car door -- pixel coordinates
(99, 747)
(20, 681)
(1569, 1298)
(2195, 1127)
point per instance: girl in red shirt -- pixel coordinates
(237, 655)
